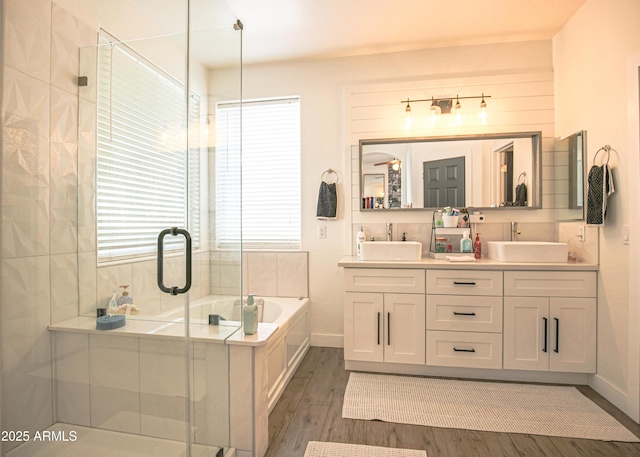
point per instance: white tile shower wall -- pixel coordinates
(40, 45)
(276, 274)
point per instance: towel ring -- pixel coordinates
(523, 175)
(607, 149)
(330, 172)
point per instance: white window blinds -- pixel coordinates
(145, 180)
(270, 159)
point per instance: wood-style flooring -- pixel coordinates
(310, 409)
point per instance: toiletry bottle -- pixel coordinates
(125, 298)
(360, 237)
(250, 316)
(477, 247)
(113, 304)
(465, 242)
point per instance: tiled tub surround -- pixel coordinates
(132, 379)
(271, 274)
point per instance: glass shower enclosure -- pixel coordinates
(148, 153)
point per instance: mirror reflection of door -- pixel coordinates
(505, 183)
(444, 183)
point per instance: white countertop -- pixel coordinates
(222, 334)
(429, 263)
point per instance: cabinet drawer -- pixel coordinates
(461, 282)
(464, 313)
(550, 283)
(464, 349)
(382, 280)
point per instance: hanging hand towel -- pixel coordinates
(521, 195)
(600, 188)
(327, 201)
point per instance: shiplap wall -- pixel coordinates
(519, 102)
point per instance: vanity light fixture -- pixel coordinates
(445, 106)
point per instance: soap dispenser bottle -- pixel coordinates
(113, 304)
(250, 316)
(125, 298)
(360, 237)
(477, 247)
(465, 242)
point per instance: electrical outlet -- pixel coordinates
(476, 218)
(322, 231)
(581, 234)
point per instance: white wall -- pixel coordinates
(327, 88)
(596, 59)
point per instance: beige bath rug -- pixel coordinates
(488, 406)
(323, 449)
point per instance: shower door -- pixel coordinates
(147, 157)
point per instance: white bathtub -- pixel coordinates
(286, 347)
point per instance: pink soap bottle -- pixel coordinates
(477, 247)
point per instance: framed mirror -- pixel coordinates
(569, 176)
(472, 171)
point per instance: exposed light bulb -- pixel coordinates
(456, 112)
(396, 166)
(483, 111)
(408, 118)
(434, 112)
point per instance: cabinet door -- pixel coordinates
(363, 327)
(404, 331)
(572, 335)
(526, 323)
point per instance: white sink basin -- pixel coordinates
(391, 250)
(527, 251)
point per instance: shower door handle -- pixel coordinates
(175, 290)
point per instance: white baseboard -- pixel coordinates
(327, 340)
(612, 393)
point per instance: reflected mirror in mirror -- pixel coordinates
(473, 171)
(374, 185)
(569, 176)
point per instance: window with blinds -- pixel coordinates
(270, 160)
(145, 180)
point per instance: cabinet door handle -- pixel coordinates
(378, 329)
(456, 313)
(557, 334)
(389, 329)
(464, 283)
(546, 333)
(464, 350)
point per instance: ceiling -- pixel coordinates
(308, 29)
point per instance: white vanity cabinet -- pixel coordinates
(464, 318)
(384, 316)
(550, 321)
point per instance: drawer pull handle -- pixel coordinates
(456, 313)
(464, 283)
(557, 334)
(378, 329)
(546, 333)
(464, 350)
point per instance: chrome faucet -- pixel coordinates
(514, 231)
(389, 231)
